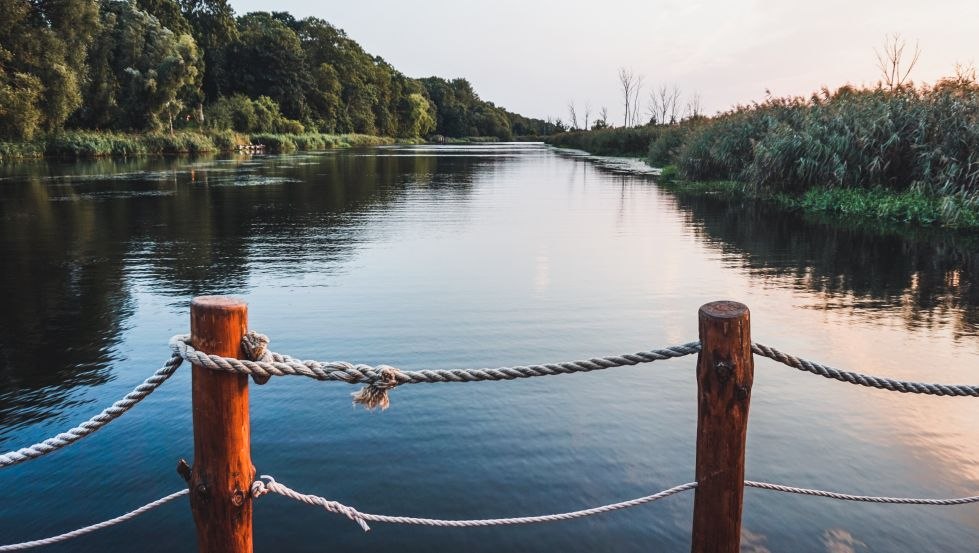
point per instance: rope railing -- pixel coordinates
(869, 381)
(260, 488)
(264, 364)
(382, 378)
(92, 528)
(108, 415)
(721, 360)
(268, 485)
(862, 498)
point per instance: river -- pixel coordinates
(475, 256)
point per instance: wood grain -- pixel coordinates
(222, 473)
(725, 371)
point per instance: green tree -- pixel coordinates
(141, 71)
(42, 49)
(267, 60)
(214, 30)
(169, 13)
(420, 117)
(324, 99)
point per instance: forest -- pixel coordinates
(166, 66)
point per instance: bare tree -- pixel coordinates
(572, 115)
(965, 72)
(674, 103)
(890, 60)
(627, 82)
(587, 113)
(603, 115)
(664, 104)
(637, 88)
(693, 105)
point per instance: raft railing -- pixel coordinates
(222, 483)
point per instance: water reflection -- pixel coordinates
(928, 276)
(77, 236)
(468, 256)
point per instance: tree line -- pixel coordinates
(151, 65)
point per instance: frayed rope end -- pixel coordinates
(375, 394)
(255, 346)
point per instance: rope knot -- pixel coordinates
(255, 346)
(375, 393)
(260, 488)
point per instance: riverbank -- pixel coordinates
(878, 204)
(91, 144)
(908, 154)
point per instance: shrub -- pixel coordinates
(242, 114)
(275, 143)
(226, 141)
(631, 141)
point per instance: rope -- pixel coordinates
(863, 498)
(71, 436)
(863, 379)
(381, 379)
(260, 488)
(82, 531)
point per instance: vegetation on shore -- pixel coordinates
(880, 204)
(190, 68)
(90, 144)
(901, 153)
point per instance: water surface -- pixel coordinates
(466, 256)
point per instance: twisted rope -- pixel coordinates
(863, 379)
(381, 379)
(98, 421)
(260, 488)
(863, 498)
(82, 531)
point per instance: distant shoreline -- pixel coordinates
(79, 145)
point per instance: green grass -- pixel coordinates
(624, 142)
(883, 205)
(912, 206)
(465, 139)
(12, 151)
(91, 144)
(281, 143)
(95, 144)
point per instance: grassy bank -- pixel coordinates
(879, 204)
(906, 154)
(89, 144)
(624, 142)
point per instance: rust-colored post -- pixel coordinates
(220, 481)
(725, 370)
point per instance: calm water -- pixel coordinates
(439, 257)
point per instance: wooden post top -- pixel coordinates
(724, 309)
(224, 303)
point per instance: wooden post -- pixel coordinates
(725, 370)
(220, 481)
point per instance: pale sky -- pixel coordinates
(533, 56)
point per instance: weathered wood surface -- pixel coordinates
(222, 474)
(725, 371)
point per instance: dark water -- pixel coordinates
(444, 257)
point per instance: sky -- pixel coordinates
(535, 56)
